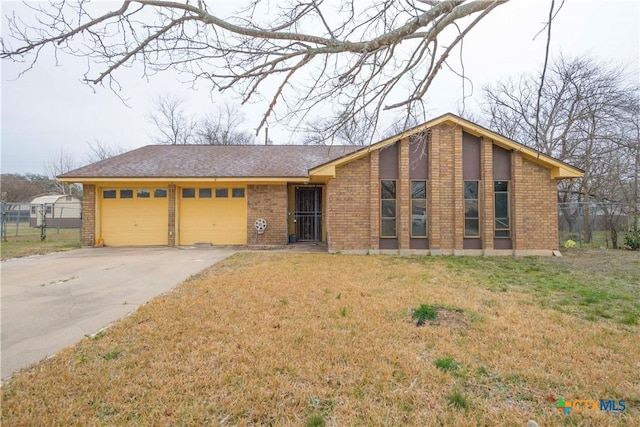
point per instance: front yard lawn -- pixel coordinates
(317, 339)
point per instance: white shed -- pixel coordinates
(58, 210)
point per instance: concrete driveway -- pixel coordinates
(50, 302)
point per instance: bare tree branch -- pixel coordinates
(362, 57)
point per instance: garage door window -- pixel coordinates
(108, 194)
(188, 193)
(237, 193)
(204, 193)
(222, 192)
(160, 193)
(143, 193)
(126, 193)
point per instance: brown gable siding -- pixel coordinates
(348, 209)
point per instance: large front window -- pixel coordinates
(471, 211)
(419, 209)
(501, 196)
(388, 208)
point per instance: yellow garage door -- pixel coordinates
(134, 216)
(216, 215)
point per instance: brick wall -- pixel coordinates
(445, 197)
(268, 202)
(88, 215)
(538, 209)
(487, 210)
(350, 206)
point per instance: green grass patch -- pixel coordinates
(567, 284)
(457, 400)
(28, 242)
(423, 313)
(447, 364)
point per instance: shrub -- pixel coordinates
(632, 239)
(424, 312)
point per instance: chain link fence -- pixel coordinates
(26, 219)
(595, 225)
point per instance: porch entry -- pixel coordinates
(308, 213)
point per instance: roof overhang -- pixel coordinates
(558, 169)
(176, 180)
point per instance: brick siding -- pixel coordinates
(268, 202)
(538, 208)
(88, 215)
(353, 201)
(350, 202)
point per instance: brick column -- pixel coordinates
(458, 192)
(487, 207)
(403, 197)
(518, 207)
(434, 187)
(374, 200)
(89, 202)
(172, 216)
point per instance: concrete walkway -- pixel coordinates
(50, 302)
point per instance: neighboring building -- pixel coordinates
(58, 211)
(448, 186)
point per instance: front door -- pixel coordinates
(308, 214)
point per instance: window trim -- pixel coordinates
(395, 217)
(426, 228)
(477, 200)
(495, 217)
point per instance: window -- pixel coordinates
(126, 193)
(33, 210)
(48, 209)
(222, 192)
(237, 193)
(188, 193)
(388, 208)
(419, 209)
(108, 194)
(143, 193)
(471, 216)
(160, 193)
(501, 200)
(204, 193)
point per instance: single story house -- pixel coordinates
(448, 186)
(57, 211)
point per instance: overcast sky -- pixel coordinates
(49, 109)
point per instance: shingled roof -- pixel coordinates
(221, 161)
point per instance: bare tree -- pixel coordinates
(60, 163)
(98, 150)
(173, 124)
(583, 117)
(360, 57)
(224, 127)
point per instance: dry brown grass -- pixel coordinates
(276, 339)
